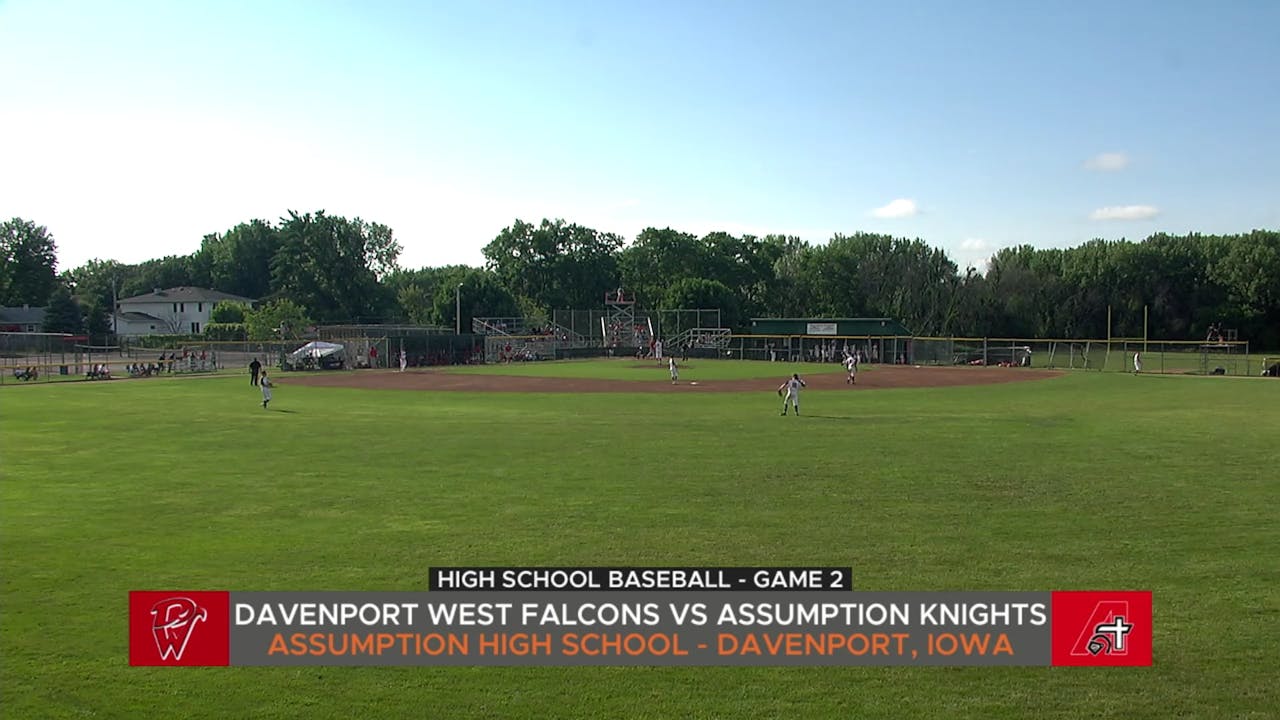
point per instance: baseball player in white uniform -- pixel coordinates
(851, 365)
(1137, 362)
(657, 350)
(675, 371)
(792, 387)
(265, 384)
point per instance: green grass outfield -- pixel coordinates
(632, 369)
(1089, 481)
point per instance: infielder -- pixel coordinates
(265, 384)
(851, 365)
(792, 388)
(675, 371)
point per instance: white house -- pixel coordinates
(175, 311)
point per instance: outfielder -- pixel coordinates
(792, 388)
(265, 384)
(1137, 362)
(851, 365)
(675, 371)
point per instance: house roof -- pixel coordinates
(21, 315)
(186, 294)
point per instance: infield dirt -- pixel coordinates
(881, 378)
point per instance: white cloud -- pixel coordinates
(900, 208)
(975, 253)
(1125, 212)
(1108, 162)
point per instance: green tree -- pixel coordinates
(166, 272)
(239, 261)
(63, 314)
(706, 294)
(657, 260)
(334, 266)
(792, 292)
(417, 304)
(555, 264)
(1249, 271)
(481, 295)
(746, 265)
(280, 319)
(415, 292)
(228, 312)
(28, 263)
(97, 321)
(99, 281)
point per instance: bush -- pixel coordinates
(228, 313)
(220, 331)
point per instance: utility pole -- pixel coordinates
(457, 310)
(1146, 309)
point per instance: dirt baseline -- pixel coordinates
(882, 377)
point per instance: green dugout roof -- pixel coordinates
(836, 327)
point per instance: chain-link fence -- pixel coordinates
(1152, 356)
(28, 356)
(819, 348)
(1180, 357)
(43, 357)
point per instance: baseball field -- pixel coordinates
(918, 479)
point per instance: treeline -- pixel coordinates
(327, 269)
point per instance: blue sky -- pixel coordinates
(131, 129)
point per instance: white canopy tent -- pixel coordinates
(318, 354)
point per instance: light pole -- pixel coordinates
(457, 310)
(115, 307)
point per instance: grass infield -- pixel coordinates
(1089, 481)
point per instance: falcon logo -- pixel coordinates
(173, 622)
(172, 628)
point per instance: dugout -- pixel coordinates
(880, 339)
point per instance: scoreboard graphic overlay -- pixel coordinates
(640, 616)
